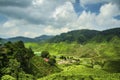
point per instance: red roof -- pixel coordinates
(46, 59)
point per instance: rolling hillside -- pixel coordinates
(84, 36)
(79, 36)
(26, 39)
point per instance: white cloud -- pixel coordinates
(19, 3)
(104, 20)
(109, 10)
(38, 2)
(106, 16)
(64, 14)
(65, 11)
(54, 17)
(52, 30)
(9, 24)
(30, 34)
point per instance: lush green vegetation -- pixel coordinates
(97, 60)
(80, 72)
(92, 49)
(19, 63)
(84, 36)
(76, 55)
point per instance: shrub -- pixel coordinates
(45, 54)
(52, 61)
(7, 77)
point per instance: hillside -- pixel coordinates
(107, 35)
(95, 43)
(43, 38)
(26, 39)
(79, 54)
(80, 72)
(19, 63)
(2, 40)
(79, 36)
(85, 35)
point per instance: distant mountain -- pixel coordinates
(80, 36)
(77, 35)
(2, 40)
(43, 38)
(85, 35)
(26, 39)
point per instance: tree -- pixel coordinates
(20, 44)
(63, 57)
(52, 61)
(13, 68)
(7, 77)
(45, 54)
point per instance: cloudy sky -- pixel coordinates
(31, 18)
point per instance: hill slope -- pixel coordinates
(82, 73)
(43, 38)
(85, 35)
(26, 39)
(80, 36)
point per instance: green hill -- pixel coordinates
(41, 38)
(79, 36)
(82, 73)
(84, 36)
(109, 49)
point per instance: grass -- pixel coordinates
(54, 48)
(104, 50)
(41, 68)
(79, 72)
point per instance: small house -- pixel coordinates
(46, 59)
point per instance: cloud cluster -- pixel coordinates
(20, 3)
(104, 20)
(36, 17)
(85, 2)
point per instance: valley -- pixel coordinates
(74, 56)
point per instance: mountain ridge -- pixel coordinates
(27, 39)
(80, 36)
(86, 35)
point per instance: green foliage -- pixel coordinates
(7, 77)
(45, 54)
(97, 57)
(105, 49)
(81, 36)
(13, 68)
(98, 54)
(42, 68)
(62, 57)
(84, 36)
(80, 72)
(52, 61)
(23, 76)
(112, 66)
(14, 59)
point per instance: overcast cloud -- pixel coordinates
(33, 18)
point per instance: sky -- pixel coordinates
(32, 18)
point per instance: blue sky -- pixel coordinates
(32, 18)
